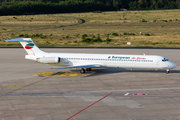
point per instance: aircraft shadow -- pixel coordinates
(102, 71)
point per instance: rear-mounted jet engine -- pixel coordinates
(48, 60)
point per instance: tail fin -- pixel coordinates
(28, 44)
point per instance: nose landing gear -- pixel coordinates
(167, 71)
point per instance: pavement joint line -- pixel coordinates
(102, 91)
(25, 86)
(89, 106)
(125, 90)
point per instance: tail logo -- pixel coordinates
(29, 46)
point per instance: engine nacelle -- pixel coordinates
(48, 60)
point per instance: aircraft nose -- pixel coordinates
(172, 65)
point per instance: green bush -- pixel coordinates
(26, 36)
(143, 20)
(87, 40)
(154, 43)
(36, 35)
(33, 35)
(108, 40)
(98, 39)
(107, 35)
(129, 34)
(91, 40)
(21, 35)
(147, 34)
(43, 36)
(115, 34)
(164, 20)
(15, 17)
(173, 43)
(84, 36)
(67, 36)
(47, 42)
(154, 20)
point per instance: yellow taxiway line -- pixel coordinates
(25, 86)
(14, 86)
(49, 74)
(42, 74)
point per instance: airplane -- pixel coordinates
(88, 61)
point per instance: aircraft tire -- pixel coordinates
(88, 69)
(82, 70)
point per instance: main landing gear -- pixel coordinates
(88, 69)
(167, 71)
(83, 70)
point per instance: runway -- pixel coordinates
(33, 91)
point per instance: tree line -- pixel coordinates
(18, 7)
(154, 4)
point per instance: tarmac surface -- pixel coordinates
(33, 91)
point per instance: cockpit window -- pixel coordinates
(164, 60)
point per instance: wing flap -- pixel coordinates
(80, 66)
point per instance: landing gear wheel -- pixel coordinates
(88, 69)
(82, 70)
(167, 71)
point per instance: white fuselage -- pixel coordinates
(88, 61)
(110, 60)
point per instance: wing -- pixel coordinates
(80, 66)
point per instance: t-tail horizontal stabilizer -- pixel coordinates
(29, 46)
(20, 40)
